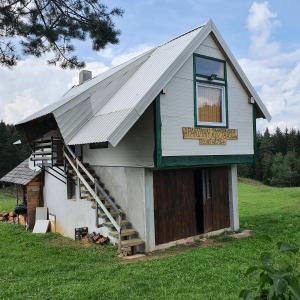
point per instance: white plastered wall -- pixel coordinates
(69, 213)
(134, 150)
(233, 198)
(127, 186)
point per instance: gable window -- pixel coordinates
(210, 92)
(208, 66)
(210, 104)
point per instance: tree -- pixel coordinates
(265, 157)
(292, 164)
(292, 140)
(279, 171)
(279, 144)
(11, 155)
(51, 26)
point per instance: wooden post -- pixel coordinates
(17, 187)
(97, 208)
(120, 232)
(78, 180)
(51, 151)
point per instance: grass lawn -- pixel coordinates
(7, 203)
(49, 266)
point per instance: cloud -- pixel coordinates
(130, 53)
(275, 73)
(117, 55)
(261, 21)
(21, 106)
(33, 84)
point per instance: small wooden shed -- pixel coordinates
(29, 188)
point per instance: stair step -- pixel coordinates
(42, 153)
(113, 213)
(107, 204)
(132, 242)
(109, 224)
(85, 194)
(125, 232)
(85, 190)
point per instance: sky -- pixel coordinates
(263, 36)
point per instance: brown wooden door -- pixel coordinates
(207, 200)
(215, 198)
(174, 205)
(220, 198)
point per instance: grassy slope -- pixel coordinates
(50, 266)
(7, 203)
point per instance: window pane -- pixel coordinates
(208, 67)
(209, 104)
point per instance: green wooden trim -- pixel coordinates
(157, 132)
(211, 83)
(210, 58)
(164, 162)
(254, 133)
(226, 94)
(208, 77)
(209, 160)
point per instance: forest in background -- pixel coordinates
(10, 155)
(277, 160)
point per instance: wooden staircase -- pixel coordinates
(110, 213)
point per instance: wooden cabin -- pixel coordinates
(147, 152)
(28, 183)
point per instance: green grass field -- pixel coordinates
(52, 267)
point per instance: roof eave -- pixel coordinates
(240, 72)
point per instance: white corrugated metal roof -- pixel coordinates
(77, 90)
(106, 107)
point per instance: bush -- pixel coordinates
(276, 278)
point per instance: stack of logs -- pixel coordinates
(10, 217)
(98, 239)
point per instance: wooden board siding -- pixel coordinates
(174, 205)
(216, 200)
(188, 202)
(220, 198)
(33, 201)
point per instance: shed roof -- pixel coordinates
(104, 108)
(21, 174)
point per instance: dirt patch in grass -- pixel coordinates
(60, 241)
(214, 241)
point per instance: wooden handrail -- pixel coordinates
(94, 195)
(94, 180)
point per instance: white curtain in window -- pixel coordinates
(209, 104)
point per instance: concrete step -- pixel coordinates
(131, 243)
(125, 232)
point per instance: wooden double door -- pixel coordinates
(189, 202)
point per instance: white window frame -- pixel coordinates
(223, 106)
